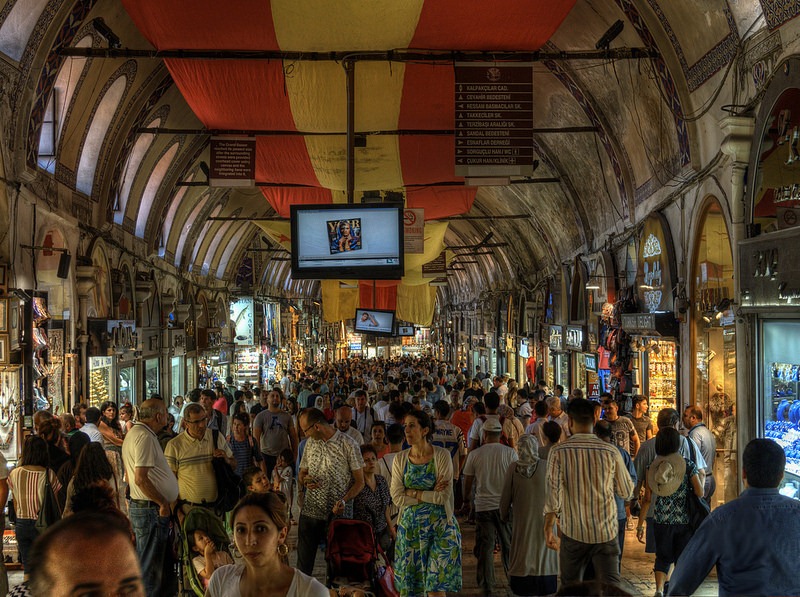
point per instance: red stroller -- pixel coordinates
(352, 556)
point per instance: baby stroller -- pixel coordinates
(205, 519)
(351, 554)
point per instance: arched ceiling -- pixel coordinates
(612, 131)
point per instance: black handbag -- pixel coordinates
(50, 512)
(697, 507)
(229, 484)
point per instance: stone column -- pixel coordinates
(737, 145)
(85, 281)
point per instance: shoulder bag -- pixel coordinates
(228, 482)
(50, 512)
(697, 507)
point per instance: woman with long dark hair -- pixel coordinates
(260, 529)
(93, 469)
(112, 437)
(50, 431)
(27, 484)
(428, 550)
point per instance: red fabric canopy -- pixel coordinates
(258, 95)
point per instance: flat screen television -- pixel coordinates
(405, 330)
(374, 321)
(340, 241)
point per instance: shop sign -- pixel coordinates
(591, 362)
(122, 336)
(574, 338)
(241, 312)
(555, 337)
(656, 264)
(770, 271)
(177, 342)
(650, 324)
(509, 342)
(436, 267)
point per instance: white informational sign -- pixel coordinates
(242, 321)
(414, 230)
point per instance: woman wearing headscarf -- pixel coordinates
(534, 568)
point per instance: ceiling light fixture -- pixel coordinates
(610, 35)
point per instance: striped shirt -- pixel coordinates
(190, 460)
(584, 473)
(27, 487)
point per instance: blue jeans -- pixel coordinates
(25, 530)
(152, 538)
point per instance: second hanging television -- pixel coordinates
(405, 330)
(374, 321)
(341, 241)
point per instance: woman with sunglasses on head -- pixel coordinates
(428, 549)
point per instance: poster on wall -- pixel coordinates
(241, 312)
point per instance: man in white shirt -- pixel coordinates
(90, 426)
(486, 467)
(363, 414)
(153, 488)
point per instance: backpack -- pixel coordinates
(503, 436)
(229, 484)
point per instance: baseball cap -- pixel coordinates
(492, 426)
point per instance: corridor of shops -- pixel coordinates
(542, 200)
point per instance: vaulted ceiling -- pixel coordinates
(611, 131)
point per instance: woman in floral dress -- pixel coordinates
(428, 550)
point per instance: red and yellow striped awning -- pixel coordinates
(310, 96)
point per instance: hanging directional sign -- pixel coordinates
(494, 119)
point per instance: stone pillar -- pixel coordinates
(737, 144)
(85, 281)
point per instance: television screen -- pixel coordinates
(373, 321)
(347, 241)
(405, 330)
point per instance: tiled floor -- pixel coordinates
(636, 568)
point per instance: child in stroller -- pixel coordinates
(204, 548)
(208, 558)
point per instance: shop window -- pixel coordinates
(18, 27)
(151, 189)
(714, 334)
(132, 165)
(69, 75)
(90, 153)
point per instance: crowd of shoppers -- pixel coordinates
(417, 450)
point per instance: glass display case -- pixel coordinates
(176, 376)
(9, 412)
(101, 380)
(780, 405)
(662, 374)
(127, 384)
(151, 378)
(247, 365)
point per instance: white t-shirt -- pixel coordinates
(225, 583)
(141, 449)
(488, 464)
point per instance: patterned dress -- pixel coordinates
(428, 552)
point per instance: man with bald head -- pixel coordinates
(153, 488)
(344, 419)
